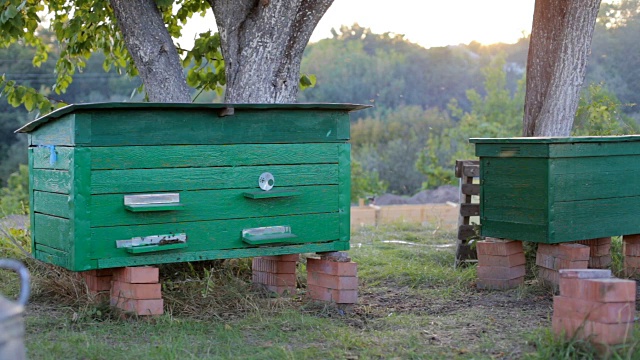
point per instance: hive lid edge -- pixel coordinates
(555, 140)
(54, 115)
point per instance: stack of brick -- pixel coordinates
(631, 245)
(552, 258)
(501, 264)
(276, 273)
(599, 252)
(333, 279)
(137, 290)
(594, 306)
(98, 281)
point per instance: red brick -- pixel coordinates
(498, 260)
(601, 250)
(557, 263)
(142, 306)
(570, 252)
(491, 246)
(96, 283)
(632, 261)
(273, 266)
(500, 272)
(333, 295)
(603, 290)
(137, 275)
(604, 312)
(332, 267)
(585, 273)
(492, 284)
(631, 239)
(548, 276)
(600, 262)
(631, 249)
(136, 291)
(333, 281)
(631, 271)
(266, 278)
(593, 331)
(289, 257)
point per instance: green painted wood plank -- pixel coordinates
(515, 231)
(211, 107)
(108, 210)
(80, 209)
(272, 194)
(133, 157)
(60, 132)
(83, 128)
(51, 204)
(344, 197)
(189, 127)
(604, 185)
(512, 150)
(594, 165)
(214, 235)
(516, 214)
(52, 231)
(42, 158)
(153, 207)
(52, 258)
(31, 200)
(556, 140)
(574, 150)
(589, 219)
(222, 254)
(57, 181)
(154, 180)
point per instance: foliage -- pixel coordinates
(14, 199)
(365, 183)
(600, 113)
(496, 114)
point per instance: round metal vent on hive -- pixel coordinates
(266, 181)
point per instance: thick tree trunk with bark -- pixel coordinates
(558, 53)
(152, 50)
(262, 44)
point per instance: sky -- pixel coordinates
(428, 23)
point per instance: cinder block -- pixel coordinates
(497, 247)
(492, 284)
(332, 281)
(135, 291)
(602, 290)
(332, 295)
(137, 275)
(505, 261)
(142, 306)
(500, 273)
(332, 267)
(596, 332)
(604, 312)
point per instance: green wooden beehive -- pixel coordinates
(125, 184)
(554, 190)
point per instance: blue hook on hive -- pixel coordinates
(53, 157)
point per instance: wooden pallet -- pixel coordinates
(467, 171)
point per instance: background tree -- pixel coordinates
(558, 52)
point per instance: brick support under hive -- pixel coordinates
(332, 278)
(137, 290)
(501, 264)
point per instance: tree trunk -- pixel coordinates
(556, 65)
(152, 50)
(262, 43)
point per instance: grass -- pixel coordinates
(413, 305)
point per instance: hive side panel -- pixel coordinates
(206, 127)
(80, 206)
(57, 132)
(514, 198)
(345, 192)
